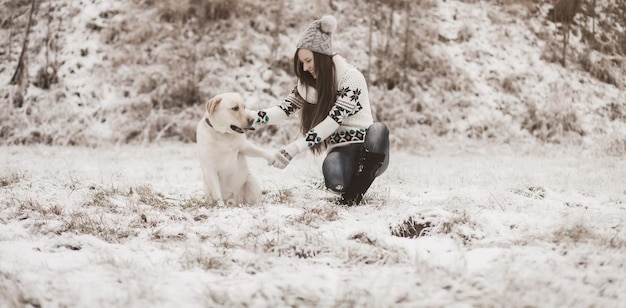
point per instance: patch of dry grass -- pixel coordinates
(99, 226)
(10, 178)
(411, 228)
(314, 216)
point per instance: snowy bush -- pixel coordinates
(552, 122)
(602, 68)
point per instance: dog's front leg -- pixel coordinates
(212, 187)
(252, 150)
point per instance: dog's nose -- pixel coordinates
(250, 121)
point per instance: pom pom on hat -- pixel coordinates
(328, 24)
(318, 36)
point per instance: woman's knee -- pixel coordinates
(338, 166)
(377, 138)
(377, 141)
(379, 128)
(331, 168)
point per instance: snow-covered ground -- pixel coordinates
(124, 227)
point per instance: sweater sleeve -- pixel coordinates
(277, 114)
(348, 103)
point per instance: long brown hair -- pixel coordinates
(326, 87)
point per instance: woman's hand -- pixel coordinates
(284, 156)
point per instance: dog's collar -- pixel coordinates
(208, 122)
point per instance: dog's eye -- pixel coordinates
(236, 108)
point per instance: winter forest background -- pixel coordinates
(505, 187)
(102, 72)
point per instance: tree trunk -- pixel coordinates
(19, 70)
(369, 41)
(593, 19)
(565, 10)
(565, 42)
(407, 36)
(10, 38)
(387, 51)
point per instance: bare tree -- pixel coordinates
(370, 24)
(18, 77)
(564, 12)
(275, 33)
(593, 18)
(19, 70)
(407, 39)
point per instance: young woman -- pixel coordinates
(333, 100)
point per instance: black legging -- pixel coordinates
(340, 161)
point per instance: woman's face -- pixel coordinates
(306, 58)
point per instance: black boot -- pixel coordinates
(364, 173)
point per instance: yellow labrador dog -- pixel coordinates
(222, 148)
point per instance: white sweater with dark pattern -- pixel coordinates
(348, 119)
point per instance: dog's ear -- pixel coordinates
(212, 104)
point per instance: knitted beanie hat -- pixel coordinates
(318, 36)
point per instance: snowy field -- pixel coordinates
(124, 227)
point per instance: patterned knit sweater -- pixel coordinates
(348, 119)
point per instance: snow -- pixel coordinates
(492, 240)
(521, 224)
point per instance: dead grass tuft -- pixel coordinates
(579, 233)
(205, 261)
(100, 198)
(174, 11)
(510, 84)
(448, 226)
(362, 238)
(159, 235)
(313, 216)
(220, 239)
(301, 247)
(304, 252)
(282, 195)
(552, 122)
(149, 197)
(615, 242)
(460, 226)
(369, 254)
(465, 33)
(299, 250)
(25, 207)
(83, 223)
(192, 203)
(10, 178)
(576, 233)
(601, 68)
(529, 191)
(411, 228)
(616, 147)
